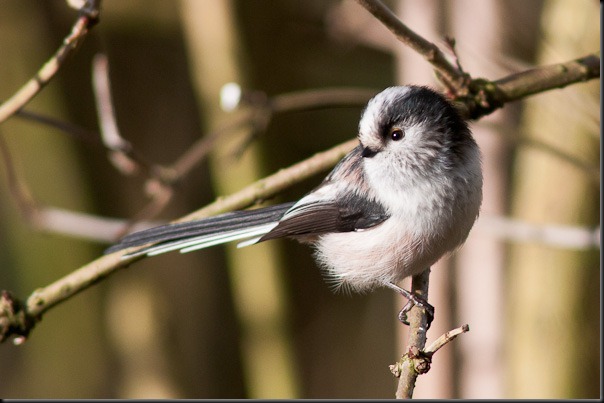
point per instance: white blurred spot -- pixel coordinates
(230, 96)
(77, 4)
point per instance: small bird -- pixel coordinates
(408, 194)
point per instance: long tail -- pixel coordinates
(247, 225)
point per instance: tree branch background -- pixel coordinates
(261, 322)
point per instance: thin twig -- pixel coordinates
(18, 188)
(110, 134)
(320, 99)
(200, 149)
(88, 17)
(453, 78)
(265, 108)
(42, 299)
(90, 137)
(121, 153)
(446, 338)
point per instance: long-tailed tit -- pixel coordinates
(405, 196)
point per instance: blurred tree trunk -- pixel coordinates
(268, 363)
(552, 326)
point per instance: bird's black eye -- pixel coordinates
(396, 134)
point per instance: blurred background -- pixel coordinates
(261, 322)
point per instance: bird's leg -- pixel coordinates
(412, 300)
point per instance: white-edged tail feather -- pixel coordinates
(205, 241)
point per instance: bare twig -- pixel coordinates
(320, 99)
(89, 137)
(417, 362)
(104, 105)
(452, 77)
(19, 190)
(198, 151)
(446, 338)
(265, 108)
(121, 153)
(88, 18)
(45, 298)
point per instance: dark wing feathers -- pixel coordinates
(309, 219)
(353, 214)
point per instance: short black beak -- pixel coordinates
(368, 152)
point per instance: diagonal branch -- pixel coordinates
(89, 16)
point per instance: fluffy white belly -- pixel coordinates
(363, 260)
(393, 250)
